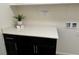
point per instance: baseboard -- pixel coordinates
(63, 53)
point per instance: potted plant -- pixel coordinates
(19, 18)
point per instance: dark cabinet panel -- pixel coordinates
(25, 46)
(45, 46)
(11, 45)
(26, 51)
(29, 45)
(45, 50)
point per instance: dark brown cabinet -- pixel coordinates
(11, 44)
(25, 45)
(29, 45)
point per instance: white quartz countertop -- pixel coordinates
(38, 31)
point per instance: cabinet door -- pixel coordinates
(25, 45)
(46, 46)
(45, 50)
(11, 46)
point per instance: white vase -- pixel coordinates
(19, 23)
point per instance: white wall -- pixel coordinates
(6, 16)
(68, 42)
(57, 15)
(6, 20)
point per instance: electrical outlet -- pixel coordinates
(68, 25)
(74, 25)
(71, 24)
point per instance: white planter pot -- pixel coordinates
(19, 23)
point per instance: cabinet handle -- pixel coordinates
(34, 48)
(16, 46)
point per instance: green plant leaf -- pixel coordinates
(19, 17)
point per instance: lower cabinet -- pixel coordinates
(29, 45)
(11, 45)
(25, 45)
(45, 50)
